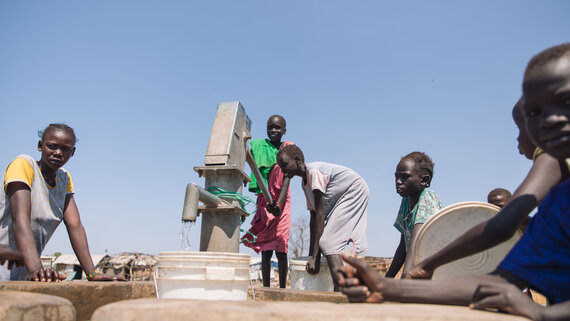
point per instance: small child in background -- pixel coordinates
(499, 197)
(529, 149)
(337, 198)
(525, 145)
(413, 175)
(271, 222)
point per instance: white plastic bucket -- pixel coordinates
(202, 275)
(302, 280)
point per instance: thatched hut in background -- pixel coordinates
(68, 264)
(380, 264)
(131, 266)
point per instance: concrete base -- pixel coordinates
(157, 310)
(277, 294)
(24, 306)
(85, 296)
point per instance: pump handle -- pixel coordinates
(256, 173)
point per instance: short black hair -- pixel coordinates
(282, 118)
(499, 191)
(57, 126)
(546, 56)
(422, 161)
(292, 151)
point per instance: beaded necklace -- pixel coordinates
(49, 181)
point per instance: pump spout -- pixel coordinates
(195, 193)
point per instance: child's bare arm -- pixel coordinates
(556, 312)
(10, 255)
(361, 283)
(510, 299)
(20, 198)
(398, 260)
(318, 225)
(284, 189)
(545, 173)
(409, 255)
(312, 232)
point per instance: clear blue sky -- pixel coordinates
(361, 83)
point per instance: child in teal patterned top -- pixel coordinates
(413, 176)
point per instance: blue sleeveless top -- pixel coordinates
(542, 255)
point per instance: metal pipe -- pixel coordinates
(195, 193)
(257, 174)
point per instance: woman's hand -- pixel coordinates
(46, 275)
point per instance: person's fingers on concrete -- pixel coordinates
(48, 273)
(375, 297)
(483, 291)
(485, 297)
(348, 282)
(489, 302)
(356, 291)
(41, 276)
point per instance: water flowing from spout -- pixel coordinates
(185, 235)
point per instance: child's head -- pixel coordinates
(291, 160)
(526, 146)
(546, 90)
(413, 174)
(499, 197)
(276, 128)
(57, 144)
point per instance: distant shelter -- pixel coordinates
(68, 264)
(131, 266)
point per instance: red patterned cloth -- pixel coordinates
(272, 232)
